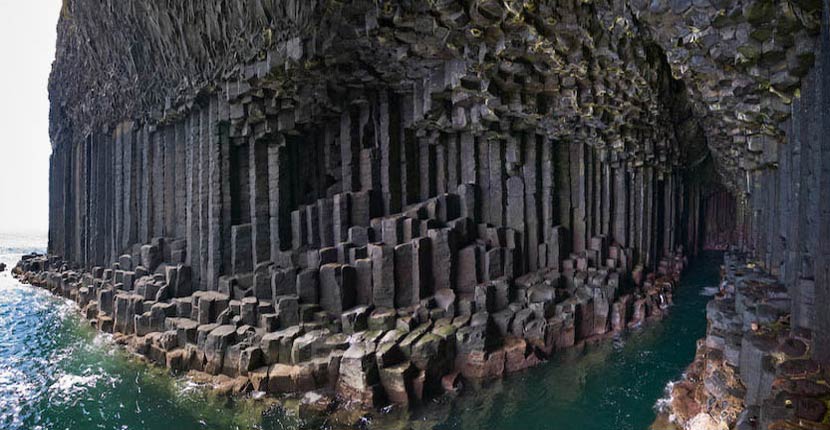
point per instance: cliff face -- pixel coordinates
(275, 106)
(440, 158)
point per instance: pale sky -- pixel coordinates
(27, 48)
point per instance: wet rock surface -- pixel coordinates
(366, 357)
(752, 371)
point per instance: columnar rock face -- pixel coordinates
(547, 123)
(720, 221)
(787, 212)
(377, 196)
(759, 72)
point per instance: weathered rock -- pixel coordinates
(337, 287)
(150, 257)
(126, 308)
(216, 343)
(359, 379)
(277, 346)
(356, 319)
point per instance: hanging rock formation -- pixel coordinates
(373, 197)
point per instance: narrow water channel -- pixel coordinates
(612, 385)
(56, 373)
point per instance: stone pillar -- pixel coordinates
(180, 181)
(130, 233)
(443, 246)
(410, 180)
(496, 181)
(221, 128)
(530, 174)
(259, 201)
(279, 170)
(383, 275)
(427, 171)
(822, 71)
(118, 179)
(214, 190)
(325, 212)
(348, 152)
(191, 184)
(468, 158)
(57, 171)
(145, 205)
(441, 186)
(170, 188)
(242, 249)
(548, 191)
(648, 221)
(563, 183)
(606, 198)
(341, 211)
(82, 196)
(620, 223)
(482, 178)
(453, 165)
(578, 195)
(157, 177)
(389, 139)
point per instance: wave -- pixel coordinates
(21, 250)
(22, 243)
(664, 404)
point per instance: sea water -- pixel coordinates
(56, 372)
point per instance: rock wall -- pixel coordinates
(788, 211)
(763, 363)
(327, 130)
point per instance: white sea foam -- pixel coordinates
(72, 384)
(102, 339)
(664, 404)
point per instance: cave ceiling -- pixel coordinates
(669, 83)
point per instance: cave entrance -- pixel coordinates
(719, 227)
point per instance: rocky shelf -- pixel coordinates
(360, 357)
(753, 369)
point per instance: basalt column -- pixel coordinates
(720, 220)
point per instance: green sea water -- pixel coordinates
(614, 385)
(58, 373)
